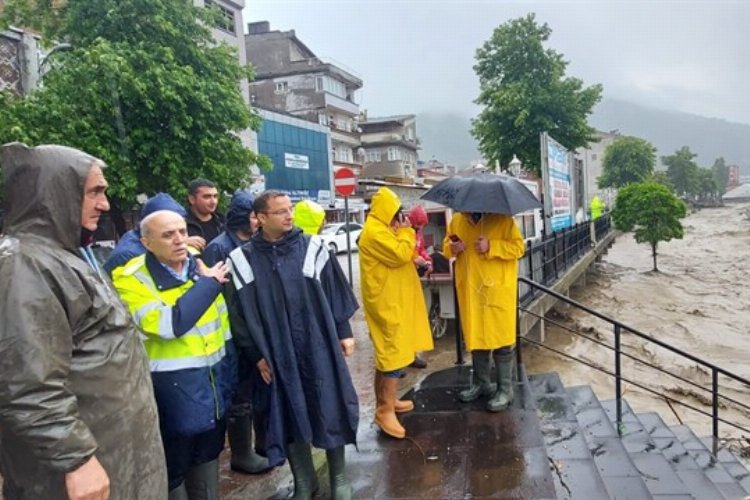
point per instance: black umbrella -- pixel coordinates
(486, 193)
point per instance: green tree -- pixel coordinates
(706, 182)
(721, 175)
(144, 87)
(627, 160)
(524, 92)
(652, 211)
(682, 171)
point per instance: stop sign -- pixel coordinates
(344, 181)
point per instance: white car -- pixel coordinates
(334, 235)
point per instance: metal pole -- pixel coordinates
(348, 240)
(618, 381)
(715, 406)
(519, 357)
(459, 331)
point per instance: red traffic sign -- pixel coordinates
(344, 181)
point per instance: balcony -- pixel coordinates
(341, 104)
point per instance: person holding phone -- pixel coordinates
(393, 302)
(487, 248)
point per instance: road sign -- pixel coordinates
(344, 181)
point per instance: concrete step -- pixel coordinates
(678, 457)
(730, 462)
(708, 463)
(574, 471)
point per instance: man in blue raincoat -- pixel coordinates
(296, 303)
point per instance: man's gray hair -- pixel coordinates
(146, 221)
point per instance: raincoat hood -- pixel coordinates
(162, 201)
(418, 216)
(240, 209)
(44, 191)
(309, 216)
(385, 204)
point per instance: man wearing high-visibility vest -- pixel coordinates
(176, 302)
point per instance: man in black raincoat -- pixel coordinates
(296, 303)
(77, 412)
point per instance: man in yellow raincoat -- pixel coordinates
(393, 301)
(487, 248)
(309, 216)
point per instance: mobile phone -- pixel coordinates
(454, 238)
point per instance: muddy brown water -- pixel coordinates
(698, 302)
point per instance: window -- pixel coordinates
(343, 154)
(344, 124)
(282, 87)
(323, 118)
(394, 154)
(372, 156)
(328, 84)
(224, 19)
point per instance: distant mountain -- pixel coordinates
(446, 136)
(668, 131)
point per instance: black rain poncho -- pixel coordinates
(75, 379)
(296, 305)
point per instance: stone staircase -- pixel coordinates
(649, 459)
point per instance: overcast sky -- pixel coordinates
(417, 55)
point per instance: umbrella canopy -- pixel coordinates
(486, 193)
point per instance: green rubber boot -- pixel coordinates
(480, 380)
(341, 489)
(503, 398)
(244, 458)
(303, 470)
(202, 481)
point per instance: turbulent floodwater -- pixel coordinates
(699, 302)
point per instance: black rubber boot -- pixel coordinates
(341, 489)
(244, 459)
(303, 470)
(503, 398)
(202, 481)
(480, 379)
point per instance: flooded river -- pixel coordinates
(699, 302)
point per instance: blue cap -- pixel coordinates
(162, 201)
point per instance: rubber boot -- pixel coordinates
(301, 463)
(503, 398)
(341, 489)
(202, 481)
(244, 459)
(401, 405)
(385, 413)
(480, 379)
(179, 493)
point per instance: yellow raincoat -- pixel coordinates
(391, 292)
(487, 284)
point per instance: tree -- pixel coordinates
(627, 160)
(144, 87)
(706, 183)
(682, 171)
(524, 91)
(721, 175)
(652, 211)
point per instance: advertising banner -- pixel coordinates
(558, 184)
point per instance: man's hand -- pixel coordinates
(265, 371)
(220, 271)
(420, 262)
(347, 346)
(88, 482)
(482, 245)
(196, 242)
(457, 247)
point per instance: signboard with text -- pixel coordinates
(556, 170)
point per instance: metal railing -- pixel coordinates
(618, 330)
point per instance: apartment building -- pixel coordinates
(290, 78)
(391, 147)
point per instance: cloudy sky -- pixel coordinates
(417, 55)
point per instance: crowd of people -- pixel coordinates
(125, 380)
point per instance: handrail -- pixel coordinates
(634, 358)
(618, 327)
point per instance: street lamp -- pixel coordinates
(515, 166)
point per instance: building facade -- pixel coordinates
(588, 164)
(290, 78)
(391, 147)
(301, 155)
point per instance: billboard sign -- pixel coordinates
(556, 170)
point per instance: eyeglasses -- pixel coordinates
(281, 213)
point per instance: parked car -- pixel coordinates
(334, 235)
